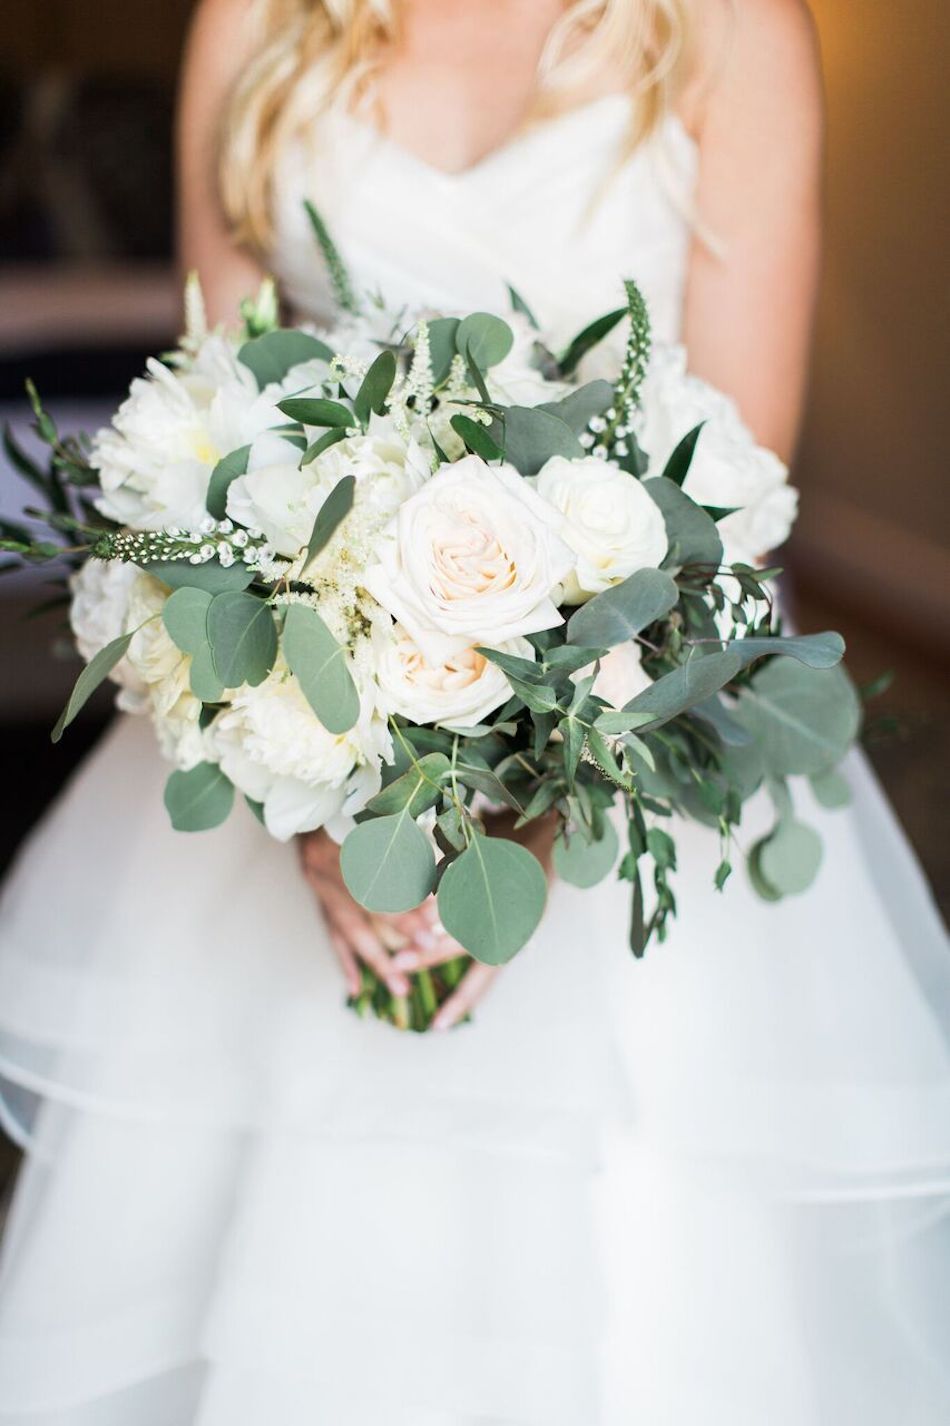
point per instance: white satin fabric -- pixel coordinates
(710, 1189)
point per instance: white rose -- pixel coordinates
(273, 747)
(99, 613)
(156, 458)
(283, 501)
(475, 556)
(458, 694)
(728, 467)
(610, 522)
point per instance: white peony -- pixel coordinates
(283, 501)
(475, 556)
(610, 522)
(99, 613)
(273, 747)
(728, 468)
(459, 694)
(156, 458)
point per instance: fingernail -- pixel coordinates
(399, 985)
(427, 940)
(407, 960)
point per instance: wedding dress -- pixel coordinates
(709, 1189)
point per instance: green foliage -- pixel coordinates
(677, 467)
(492, 898)
(621, 612)
(484, 339)
(243, 638)
(226, 470)
(803, 719)
(583, 860)
(97, 670)
(476, 438)
(336, 268)
(213, 577)
(588, 338)
(375, 388)
(185, 616)
(533, 436)
(199, 799)
(273, 354)
(330, 516)
(320, 666)
(317, 411)
(388, 863)
(692, 534)
(417, 789)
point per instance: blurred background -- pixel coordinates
(87, 289)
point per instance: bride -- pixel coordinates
(709, 1188)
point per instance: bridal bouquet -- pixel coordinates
(382, 579)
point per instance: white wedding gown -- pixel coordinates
(711, 1189)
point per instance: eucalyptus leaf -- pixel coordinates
(692, 535)
(789, 860)
(320, 666)
(330, 516)
(621, 612)
(388, 864)
(484, 339)
(272, 355)
(417, 789)
(583, 861)
(204, 682)
(185, 616)
(375, 387)
(198, 799)
(476, 437)
(317, 411)
(518, 304)
(533, 436)
(210, 576)
(691, 683)
(226, 470)
(442, 346)
(804, 719)
(816, 650)
(831, 788)
(97, 670)
(243, 638)
(578, 408)
(492, 898)
(323, 443)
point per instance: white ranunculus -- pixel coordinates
(728, 468)
(458, 694)
(610, 522)
(273, 747)
(156, 458)
(283, 501)
(475, 556)
(101, 590)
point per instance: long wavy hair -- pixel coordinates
(312, 52)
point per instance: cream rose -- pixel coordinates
(474, 557)
(610, 522)
(458, 694)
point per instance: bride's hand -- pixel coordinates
(538, 837)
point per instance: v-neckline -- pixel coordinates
(525, 134)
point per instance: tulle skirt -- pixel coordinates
(712, 1187)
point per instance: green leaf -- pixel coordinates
(662, 848)
(205, 683)
(831, 789)
(198, 799)
(375, 387)
(492, 898)
(815, 650)
(185, 616)
(323, 443)
(581, 405)
(317, 411)
(442, 346)
(419, 788)
(388, 863)
(603, 754)
(613, 723)
(584, 862)
(533, 436)
(760, 884)
(331, 514)
(518, 304)
(226, 470)
(476, 438)
(677, 467)
(619, 613)
(692, 535)
(484, 339)
(271, 356)
(588, 338)
(803, 719)
(320, 666)
(213, 577)
(789, 860)
(243, 638)
(97, 670)
(337, 272)
(691, 683)
(536, 696)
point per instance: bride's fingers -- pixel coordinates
(473, 986)
(435, 950)
(351, 923)
(348, 962)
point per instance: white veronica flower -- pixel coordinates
(99, 613)
(610, 522)
(728, 468)
(156, 458)
(273, 747)
(283, 501)
(458, 694)
(475, 556)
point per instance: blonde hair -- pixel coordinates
(311, 52)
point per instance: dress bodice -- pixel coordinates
(560, 212)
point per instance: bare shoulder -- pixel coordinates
(222, 36)
(756, 57)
